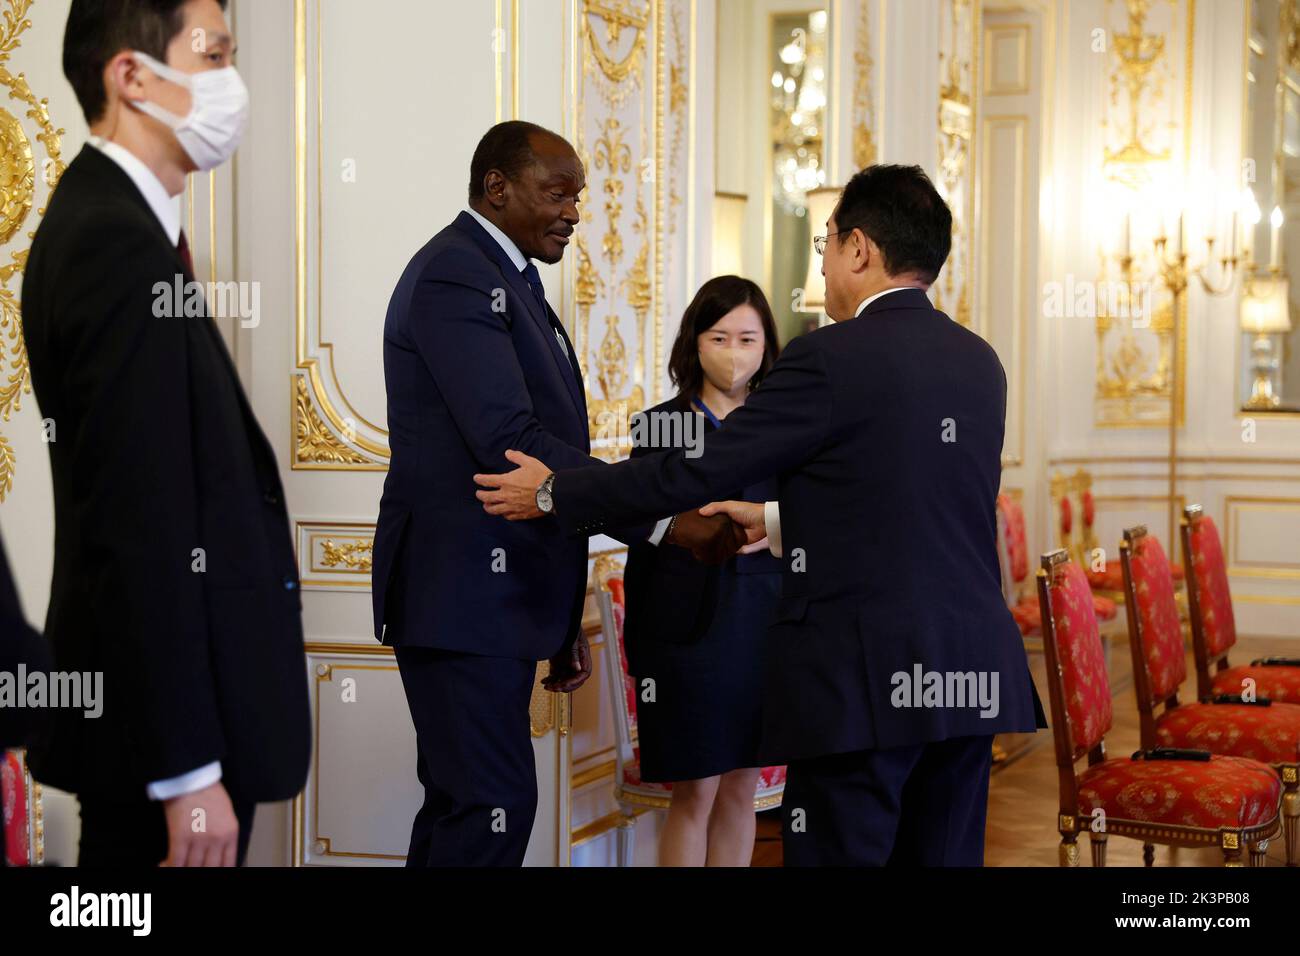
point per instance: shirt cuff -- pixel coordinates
(190, 782)
(661, 529)
(772, 518)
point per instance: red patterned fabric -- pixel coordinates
(1227, 792)
(1105, 608)
(1013, 523)
(1267, 734)
(615, 586)
(1083, 665)
(13, 799)
(1162, 633)
(1212, 595)
(1067, 517)
(1112, 579)
(1273, 683)
(1030, 618)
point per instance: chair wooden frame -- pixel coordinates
(1147, 704)
(1070, 822)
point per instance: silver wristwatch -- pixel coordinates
(545, 503)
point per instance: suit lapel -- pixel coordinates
(519, 285)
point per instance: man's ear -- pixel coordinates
(865, 252)
(122, 78)
(494, 189)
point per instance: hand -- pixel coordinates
(216, 844)
(569, 668)
(747, 514)
(515, 494)
(711, 540)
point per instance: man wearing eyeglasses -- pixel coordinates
(893, 659)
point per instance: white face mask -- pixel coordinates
(212, 131)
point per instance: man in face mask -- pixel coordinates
(174, 572)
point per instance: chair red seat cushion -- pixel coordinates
(1027, 615)
(1267, 734)
(1030, 619)
(1112, 579)
(1275, 683)
(1230, 792)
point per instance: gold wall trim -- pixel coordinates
(328, 451)
(1164, 460)
(1233, 505)
(18, 188)
(602, 825)
(322, 845)
(1020, 33)
(334, 555)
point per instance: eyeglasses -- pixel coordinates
(819, 242)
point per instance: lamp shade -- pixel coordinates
(821, 203)
(728, 233)
(1266, 307)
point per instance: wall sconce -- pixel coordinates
(1265, 312)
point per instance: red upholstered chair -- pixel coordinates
(630, 790)
(1107, 581)
(1014, 556)
(19, 810)
(1228, 802)
(1270, 734)
(1214, 630)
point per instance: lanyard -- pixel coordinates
(699, 403)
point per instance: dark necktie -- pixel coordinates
(534, 279)
(183, 247)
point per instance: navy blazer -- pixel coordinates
(886, 434)
(472, 368)
(671, 597)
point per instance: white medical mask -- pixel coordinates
(218, 116)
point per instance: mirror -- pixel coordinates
(1268, 369)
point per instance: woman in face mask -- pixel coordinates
(696, 632)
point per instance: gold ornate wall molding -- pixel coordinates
(330, 434)
(632, 131)
(865, 150)
(1147, 136)
(334, 555)
(958, 66)
(18, 191)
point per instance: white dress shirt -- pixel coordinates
(168, 210)
(867, 301)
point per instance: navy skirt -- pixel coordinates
(706, 717)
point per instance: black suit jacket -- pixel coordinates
(886, 435)
(158, 463)
(472, 368)
(19, 645)
(671, 597)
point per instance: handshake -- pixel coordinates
(712, 534)
(719, 530)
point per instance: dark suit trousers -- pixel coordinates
(919, 805)
(475, 757)
(129, 834)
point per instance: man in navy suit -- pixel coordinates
(475, 363)
(893, 659)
